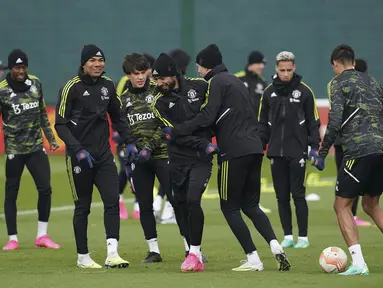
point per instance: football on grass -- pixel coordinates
(333, 260)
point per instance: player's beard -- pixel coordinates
(165, 89)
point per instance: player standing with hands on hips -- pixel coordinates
(82, 123)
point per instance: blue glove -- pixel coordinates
(319, 163)
(131, 152)
(84, 155)
(168, 131)
(313, 154)
(144, 155)
(211, 149)
(116, 138)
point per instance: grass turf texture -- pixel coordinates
(31, 267)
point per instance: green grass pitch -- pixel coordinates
(31, 267)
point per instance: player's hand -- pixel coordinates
(54, 146)
(313, 154)
(84, 155)
(131, 153)
(211, 149)
(319, 163)
(168, 131)
(144, 155)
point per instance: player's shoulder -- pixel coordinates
(107, 81)
(34, 78)
(70, 85)
(198, 83)
(268, 89)
(4, 86)
(241, 75)
(121, 85)
(305, 88)
(158, 99)
(72, 82)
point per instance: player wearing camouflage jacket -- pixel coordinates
(356, 116)
(145, 127)
(23, 110)
(24, 115)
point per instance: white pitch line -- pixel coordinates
(61, 208)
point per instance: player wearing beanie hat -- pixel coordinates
(252, 78)
(179, 100)
(24, 117)
(228, 112)
(82, 112)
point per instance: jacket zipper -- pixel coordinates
(283, 127)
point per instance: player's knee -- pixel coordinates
(283, 199)
(368, 206)
(10, 197)
(44, 191)
(299, 197)
(82, 208)
(194, 198)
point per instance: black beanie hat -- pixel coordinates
(256, 57)
(209, 57)
(17, 57)
(181, 57)
(164, 66)
(90, 51)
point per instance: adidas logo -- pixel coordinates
(171, 104)
(273, 94)
(86, 93)
(99, 53)
(18, 61)
(155, 72)
(13, 95)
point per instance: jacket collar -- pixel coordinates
(136, 90)
(18, 86)
(217, 69)
(285, 88)
(86, 78)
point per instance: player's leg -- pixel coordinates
(198, 179)
(281, 182)
(38, 165)
(179, 175)
(250, 206)
(136, 207)
(370, 200)
(143, 179)
(163, 175)
(231, 185)
(297, 174)
(372, 208)
(353, 176)
(106, 180)
(14, 167)
(338, 161)
(122, 181)
(157, 203)
(81, 184)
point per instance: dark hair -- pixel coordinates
(135, 62)
(360, 65)
(344, 54)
